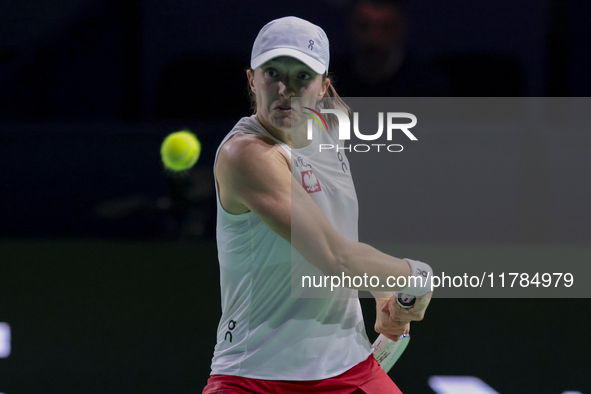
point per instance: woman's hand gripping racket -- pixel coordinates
(386, 351)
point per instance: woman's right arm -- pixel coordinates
(253, 174)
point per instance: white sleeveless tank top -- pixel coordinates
(263, 332)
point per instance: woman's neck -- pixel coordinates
(283, 136)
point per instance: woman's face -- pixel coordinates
(276, 82)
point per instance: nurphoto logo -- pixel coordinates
(345, 130)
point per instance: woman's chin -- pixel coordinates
(283, 123)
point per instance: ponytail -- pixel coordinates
(334, 101)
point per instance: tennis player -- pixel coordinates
(267, 341)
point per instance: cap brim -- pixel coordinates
(277, 52)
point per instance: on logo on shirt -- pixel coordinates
(310, 182)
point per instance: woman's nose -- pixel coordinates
(286, 88)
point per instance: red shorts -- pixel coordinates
(366, 377)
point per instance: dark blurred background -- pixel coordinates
(108, 266)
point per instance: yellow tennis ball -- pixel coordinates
(180, 151)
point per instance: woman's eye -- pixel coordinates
(272, 73)
(304, 76)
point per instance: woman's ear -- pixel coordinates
(250, 76)
(325, 85)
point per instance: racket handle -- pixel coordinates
(406, 300)
(387, 352)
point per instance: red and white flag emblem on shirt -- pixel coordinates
(310, 182)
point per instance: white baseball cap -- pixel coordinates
(294, 37)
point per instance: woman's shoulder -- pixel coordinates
(248, 143)
(245, 149)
